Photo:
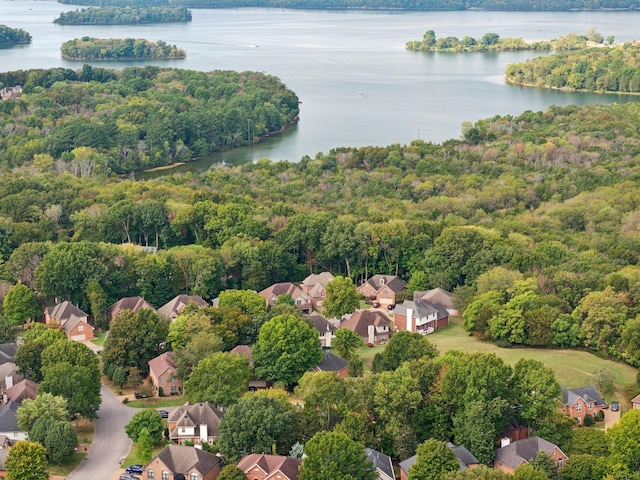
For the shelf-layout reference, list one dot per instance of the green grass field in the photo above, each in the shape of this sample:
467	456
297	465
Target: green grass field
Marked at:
99	340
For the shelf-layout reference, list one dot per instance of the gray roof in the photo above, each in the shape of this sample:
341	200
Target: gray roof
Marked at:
380	461
405	465
128	303
65	311
420	308
321	324
359	322
173	307
331	363
195	415
589	394
8	352
464	456
523	451
437	295
9	417
181	459
394	282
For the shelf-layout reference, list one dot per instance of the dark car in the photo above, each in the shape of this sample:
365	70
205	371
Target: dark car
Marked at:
163	413
391	307
139	395
134	469
615	406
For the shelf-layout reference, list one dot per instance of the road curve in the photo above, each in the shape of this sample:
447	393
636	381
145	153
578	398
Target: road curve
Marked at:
110	443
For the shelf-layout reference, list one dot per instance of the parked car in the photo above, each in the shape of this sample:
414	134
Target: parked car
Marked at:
615	406
139	469
605	405
375	304
163	413
139	395
391	307
126	476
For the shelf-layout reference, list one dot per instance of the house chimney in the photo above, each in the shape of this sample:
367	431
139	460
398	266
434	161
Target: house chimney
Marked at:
204	434
409	319
504	441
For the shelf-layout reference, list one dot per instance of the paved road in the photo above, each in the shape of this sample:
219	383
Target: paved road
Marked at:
110	443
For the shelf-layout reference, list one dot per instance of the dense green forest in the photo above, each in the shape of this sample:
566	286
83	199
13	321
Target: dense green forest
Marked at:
491	42
13	36
533	220
87	48
95	121
124	15
615	69
425	5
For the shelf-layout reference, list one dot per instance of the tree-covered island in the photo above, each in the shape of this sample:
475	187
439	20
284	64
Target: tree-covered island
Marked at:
88	48
411	5
127	15
492	42
13	36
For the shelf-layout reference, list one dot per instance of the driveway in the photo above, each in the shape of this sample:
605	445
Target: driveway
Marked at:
110	444
610	418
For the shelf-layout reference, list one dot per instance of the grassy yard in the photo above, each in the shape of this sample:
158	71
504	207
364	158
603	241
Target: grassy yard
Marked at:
573	368
66	468
84	430
134	458
99	340
157	402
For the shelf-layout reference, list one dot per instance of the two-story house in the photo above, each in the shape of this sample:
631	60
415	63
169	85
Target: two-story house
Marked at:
193	463
511	455
315	286
198	423
301	300
419	317
373	326
173	307
326	330
71	320
382	289
128	303
578	402
260	466
164	374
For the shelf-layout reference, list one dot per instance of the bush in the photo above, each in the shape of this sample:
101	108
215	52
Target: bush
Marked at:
588	420
599	416
125	400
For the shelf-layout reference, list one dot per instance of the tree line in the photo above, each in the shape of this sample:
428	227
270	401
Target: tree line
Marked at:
87	48
613	69
127	15
13	36
99	121
419	5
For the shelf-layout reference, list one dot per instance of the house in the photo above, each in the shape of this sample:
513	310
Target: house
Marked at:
194	463
579	402
128	303
9	376
72	321
333	363
10	92
164	374
9	422
315	286
419	317
173	307
437	295
382	288
372	326
259	466
326	330
382	464
8	352
635	402
21	390
301	299
511	455
255	383
466	459
198	423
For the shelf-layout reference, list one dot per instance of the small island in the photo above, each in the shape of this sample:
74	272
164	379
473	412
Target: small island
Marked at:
88	48
13	36
492	42
124	16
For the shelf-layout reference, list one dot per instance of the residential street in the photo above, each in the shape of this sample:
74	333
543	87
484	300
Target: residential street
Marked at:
110	443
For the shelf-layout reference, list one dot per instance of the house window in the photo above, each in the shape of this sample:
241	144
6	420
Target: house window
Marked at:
183	430
165	475
150	475
81	328
193	476
560	463
174	389
578	407
298	302
589	406
386	292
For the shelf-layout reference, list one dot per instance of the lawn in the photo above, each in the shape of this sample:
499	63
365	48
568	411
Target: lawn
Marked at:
99	340
67	467
157	402
573	368
133	458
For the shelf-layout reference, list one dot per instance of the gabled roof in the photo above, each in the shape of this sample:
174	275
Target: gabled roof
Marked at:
636	399
173	307
9	417
161	364
8	352
330	363
318	279
420	309
244	350
128	303
181	459
278	289
321	324
523	451
21	390
189	415
464	456
381	462
393	282
66	311
9	369
588	394
359	322
270	464
437	295
70	324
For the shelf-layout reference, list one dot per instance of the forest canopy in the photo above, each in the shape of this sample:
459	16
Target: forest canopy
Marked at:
420	5
99	121
87	48
13	36
124	15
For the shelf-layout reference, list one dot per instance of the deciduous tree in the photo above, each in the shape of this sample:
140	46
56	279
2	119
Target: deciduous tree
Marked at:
334	455
434	460
26	461
45	405
20	304
342	297
402	347
219	379
148	419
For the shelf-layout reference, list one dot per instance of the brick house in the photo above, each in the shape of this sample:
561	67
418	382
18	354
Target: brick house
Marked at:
420	317
259	466
128	303
511	455
578	402
382	288
465	458
173	307
194	463
198	423
382	464
437	295
332	363
315	286
301	299
635	402
326	330
164	375
372	326
71	320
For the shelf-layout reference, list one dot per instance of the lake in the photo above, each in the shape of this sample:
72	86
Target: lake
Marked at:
357	83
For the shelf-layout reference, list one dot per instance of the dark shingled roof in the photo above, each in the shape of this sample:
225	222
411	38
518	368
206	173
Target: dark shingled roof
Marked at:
380	461
359	322
290	467
464	456
394	283
321	324
589	394
8	352
9	417
181	459
128	303
522	451
331	363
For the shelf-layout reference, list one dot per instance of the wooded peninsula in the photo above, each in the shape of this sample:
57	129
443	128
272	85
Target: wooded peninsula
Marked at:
87	48
13	36
124	16
417	5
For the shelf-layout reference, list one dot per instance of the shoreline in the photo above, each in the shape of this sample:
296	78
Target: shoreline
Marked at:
568	89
